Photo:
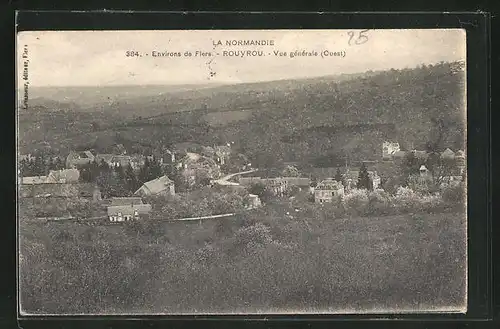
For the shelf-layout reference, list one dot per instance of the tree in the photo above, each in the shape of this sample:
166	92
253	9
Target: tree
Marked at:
155	170
59	164
364	180
409	166
130	179
290	171
39	166
439	168
111	185
89	172
261	190
144	172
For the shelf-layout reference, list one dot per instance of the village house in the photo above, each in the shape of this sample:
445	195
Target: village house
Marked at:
137	161
84	191
300	182
253	201
54	176
55	199
327	190
388	149
26	157
421	156
31	180
278	186
127	208
460	161
161	186
448	155
195	168
398	156
129	212
124	201
102	157
119	149
76	159
451	180
113	161
164	157
120	161
222	154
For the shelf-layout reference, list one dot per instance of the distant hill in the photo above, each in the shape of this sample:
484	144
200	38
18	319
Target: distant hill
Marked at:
91	98
306	120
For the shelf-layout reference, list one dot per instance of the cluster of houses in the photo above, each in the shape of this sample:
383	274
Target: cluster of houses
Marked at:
391	151
190	159
62	185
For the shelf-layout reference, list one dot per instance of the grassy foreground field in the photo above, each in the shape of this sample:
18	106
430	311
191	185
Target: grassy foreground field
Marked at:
251	263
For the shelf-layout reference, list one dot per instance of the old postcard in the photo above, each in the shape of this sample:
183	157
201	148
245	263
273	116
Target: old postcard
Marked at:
242	172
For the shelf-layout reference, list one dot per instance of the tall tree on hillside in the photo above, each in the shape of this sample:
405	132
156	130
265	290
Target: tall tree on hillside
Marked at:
409	166
130	179
50	164
111	185
155	170
59	164
364	181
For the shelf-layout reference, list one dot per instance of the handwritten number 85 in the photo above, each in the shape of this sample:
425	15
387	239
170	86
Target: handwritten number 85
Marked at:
360	39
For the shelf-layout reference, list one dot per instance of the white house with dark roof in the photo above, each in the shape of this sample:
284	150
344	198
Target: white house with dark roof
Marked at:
129	212
327	190
388	149
75	159
160	186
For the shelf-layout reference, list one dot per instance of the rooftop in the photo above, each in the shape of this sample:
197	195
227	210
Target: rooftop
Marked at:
159	184
122	201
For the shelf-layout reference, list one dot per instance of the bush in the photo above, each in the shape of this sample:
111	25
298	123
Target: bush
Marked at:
356	201
454	194
379	203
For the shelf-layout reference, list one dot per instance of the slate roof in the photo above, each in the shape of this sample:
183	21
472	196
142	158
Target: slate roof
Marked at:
420	154
399	154
157	185
329	184
64	176
105	157
448	154
126	201
34	180
297	181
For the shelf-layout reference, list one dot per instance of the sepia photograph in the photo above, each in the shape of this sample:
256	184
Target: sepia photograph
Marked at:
212	172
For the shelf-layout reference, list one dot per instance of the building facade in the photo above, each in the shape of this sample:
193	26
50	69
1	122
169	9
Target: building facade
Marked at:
327	190
388	149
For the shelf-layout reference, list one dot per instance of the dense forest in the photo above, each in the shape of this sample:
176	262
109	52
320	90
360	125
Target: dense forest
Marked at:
317	118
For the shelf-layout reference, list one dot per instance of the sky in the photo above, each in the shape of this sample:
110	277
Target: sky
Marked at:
98	58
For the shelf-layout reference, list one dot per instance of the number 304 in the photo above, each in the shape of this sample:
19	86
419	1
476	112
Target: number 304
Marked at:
132	53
